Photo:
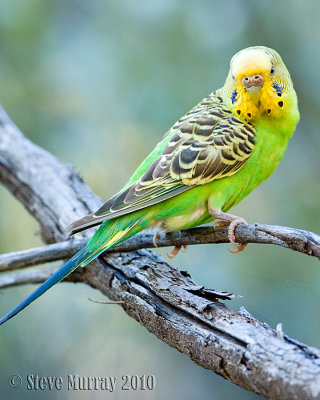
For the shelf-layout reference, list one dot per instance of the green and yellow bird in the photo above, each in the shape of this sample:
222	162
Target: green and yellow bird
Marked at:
205	164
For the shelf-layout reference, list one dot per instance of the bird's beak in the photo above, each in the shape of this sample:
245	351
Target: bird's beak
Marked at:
254	81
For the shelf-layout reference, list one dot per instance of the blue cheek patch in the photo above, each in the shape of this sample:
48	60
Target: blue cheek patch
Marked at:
277	87
234	96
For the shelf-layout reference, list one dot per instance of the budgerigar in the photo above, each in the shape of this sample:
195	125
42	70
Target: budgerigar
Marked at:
206	163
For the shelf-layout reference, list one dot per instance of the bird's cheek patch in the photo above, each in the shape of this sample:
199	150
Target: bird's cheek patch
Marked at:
234	96
270	102
244	107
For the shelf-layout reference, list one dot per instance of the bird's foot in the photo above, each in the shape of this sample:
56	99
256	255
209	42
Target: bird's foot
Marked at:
233	221
176	250
231	235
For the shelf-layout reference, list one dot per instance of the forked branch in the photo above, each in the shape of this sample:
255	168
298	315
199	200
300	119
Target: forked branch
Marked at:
294	239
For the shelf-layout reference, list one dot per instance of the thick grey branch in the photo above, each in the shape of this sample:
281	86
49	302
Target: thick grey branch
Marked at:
166	301
295	239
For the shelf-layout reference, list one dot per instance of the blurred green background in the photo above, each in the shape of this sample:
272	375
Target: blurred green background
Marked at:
92	80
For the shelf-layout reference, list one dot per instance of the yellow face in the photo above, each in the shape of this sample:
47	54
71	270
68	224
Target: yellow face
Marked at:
258	84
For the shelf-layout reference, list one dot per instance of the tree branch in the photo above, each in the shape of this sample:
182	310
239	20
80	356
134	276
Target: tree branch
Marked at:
24	277
166	301
294	239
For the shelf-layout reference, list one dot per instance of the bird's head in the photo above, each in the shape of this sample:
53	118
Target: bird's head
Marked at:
258	84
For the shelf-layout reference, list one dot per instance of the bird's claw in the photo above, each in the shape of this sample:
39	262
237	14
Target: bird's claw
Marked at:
239	246
156	237
223	219
184	248
176	250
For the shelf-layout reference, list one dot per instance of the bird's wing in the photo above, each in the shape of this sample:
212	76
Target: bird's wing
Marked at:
206	144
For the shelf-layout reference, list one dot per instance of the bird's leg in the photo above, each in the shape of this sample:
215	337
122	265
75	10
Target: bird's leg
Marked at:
233	221
176	250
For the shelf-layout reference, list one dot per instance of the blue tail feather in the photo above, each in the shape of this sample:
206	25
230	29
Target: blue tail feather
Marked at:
64	271
108	235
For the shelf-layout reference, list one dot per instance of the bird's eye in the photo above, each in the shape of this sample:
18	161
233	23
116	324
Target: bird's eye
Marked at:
273	70
233	77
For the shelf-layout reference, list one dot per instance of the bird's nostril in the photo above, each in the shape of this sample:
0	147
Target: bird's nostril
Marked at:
254	80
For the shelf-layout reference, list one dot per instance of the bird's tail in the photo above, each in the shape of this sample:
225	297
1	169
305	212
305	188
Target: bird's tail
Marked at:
107	236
